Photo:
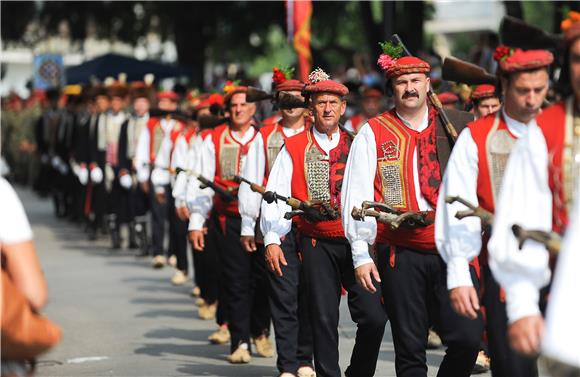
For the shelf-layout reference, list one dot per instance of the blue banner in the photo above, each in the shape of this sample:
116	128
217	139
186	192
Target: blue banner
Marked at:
48	71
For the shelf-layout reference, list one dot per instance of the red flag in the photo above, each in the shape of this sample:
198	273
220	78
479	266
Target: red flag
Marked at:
299	15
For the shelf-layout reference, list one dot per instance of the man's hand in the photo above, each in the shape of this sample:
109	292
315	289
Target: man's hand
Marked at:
145	187
160	197
275	258
248	243
464	301
197	240
365	274
526	334
182	213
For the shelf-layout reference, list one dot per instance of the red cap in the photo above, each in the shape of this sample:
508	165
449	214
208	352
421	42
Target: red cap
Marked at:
571	27
290	85
168	94
483	91
327	86
514	60
447	98
372	93
402	66
320	82
234	90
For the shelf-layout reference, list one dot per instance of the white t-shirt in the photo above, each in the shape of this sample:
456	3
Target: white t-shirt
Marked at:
14	226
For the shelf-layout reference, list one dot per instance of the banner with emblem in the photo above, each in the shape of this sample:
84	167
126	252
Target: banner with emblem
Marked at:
48	71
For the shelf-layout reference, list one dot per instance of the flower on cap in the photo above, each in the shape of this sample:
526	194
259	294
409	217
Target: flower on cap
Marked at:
318	75
216	99
573	17
230	86
502	52
391	52
281	74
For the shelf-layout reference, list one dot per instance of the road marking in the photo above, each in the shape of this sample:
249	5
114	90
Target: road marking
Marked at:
80	360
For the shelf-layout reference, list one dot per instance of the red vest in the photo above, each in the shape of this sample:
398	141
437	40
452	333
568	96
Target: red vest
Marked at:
318	176
228	156
394	180
274	138
357	121
155	137
558	132
494	144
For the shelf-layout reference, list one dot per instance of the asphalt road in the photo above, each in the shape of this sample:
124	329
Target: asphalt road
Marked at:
122	318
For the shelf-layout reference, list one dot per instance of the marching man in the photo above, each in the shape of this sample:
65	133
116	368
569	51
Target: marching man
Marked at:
310	168
287	293
474	173
398	159
539	181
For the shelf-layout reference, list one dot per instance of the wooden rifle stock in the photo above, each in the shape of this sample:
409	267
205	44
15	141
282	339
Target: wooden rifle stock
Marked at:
461	71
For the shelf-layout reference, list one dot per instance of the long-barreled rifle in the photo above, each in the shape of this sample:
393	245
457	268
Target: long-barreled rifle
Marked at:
226	194
551	240
449	128
386	214
312	211
468	73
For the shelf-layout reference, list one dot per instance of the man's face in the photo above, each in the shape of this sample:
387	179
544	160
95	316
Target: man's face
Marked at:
371	106
327	110
102	103
167	104
296	112
240	110
525	93
575	68
141	106
410	91
203	112
487	106
117	104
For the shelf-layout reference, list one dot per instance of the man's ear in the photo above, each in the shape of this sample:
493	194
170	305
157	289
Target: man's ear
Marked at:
342	107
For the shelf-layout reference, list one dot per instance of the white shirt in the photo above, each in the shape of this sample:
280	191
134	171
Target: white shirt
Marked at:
184	156
358	186
255	171
200	200
272	223
562	329
14	226
459	241
142	156
525	200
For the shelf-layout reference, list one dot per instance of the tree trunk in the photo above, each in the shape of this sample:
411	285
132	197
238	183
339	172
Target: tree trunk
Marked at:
514	9
412	33
190	41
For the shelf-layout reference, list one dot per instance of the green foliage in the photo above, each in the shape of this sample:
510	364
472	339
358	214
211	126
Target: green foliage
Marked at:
539	13
395	51
277	51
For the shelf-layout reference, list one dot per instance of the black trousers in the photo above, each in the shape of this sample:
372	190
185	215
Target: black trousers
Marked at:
177	235
98	200
289	307
328	264
242	272
504	361
159	214
415	293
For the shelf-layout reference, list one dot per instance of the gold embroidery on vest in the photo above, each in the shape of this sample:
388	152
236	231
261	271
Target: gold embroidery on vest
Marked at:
390	166
274	144
229	156
499	145
571	157
158	135
317	172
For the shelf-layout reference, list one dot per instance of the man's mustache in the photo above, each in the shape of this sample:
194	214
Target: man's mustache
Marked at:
410	94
